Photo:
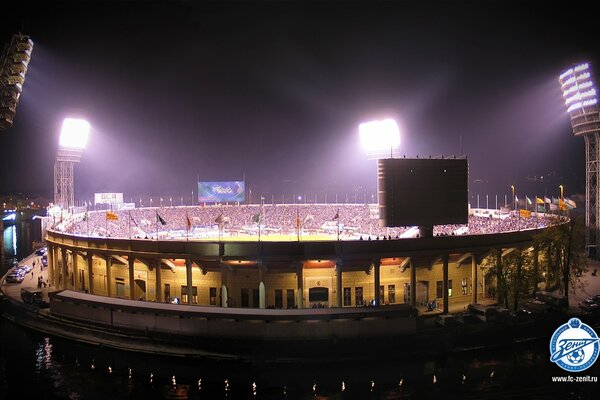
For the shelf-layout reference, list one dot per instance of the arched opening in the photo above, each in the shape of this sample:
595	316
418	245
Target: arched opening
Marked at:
140	289
318	297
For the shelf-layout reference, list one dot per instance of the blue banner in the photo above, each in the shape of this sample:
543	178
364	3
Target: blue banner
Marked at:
219	192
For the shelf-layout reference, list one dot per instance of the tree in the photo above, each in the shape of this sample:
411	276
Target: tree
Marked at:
563	249
496	269
518	265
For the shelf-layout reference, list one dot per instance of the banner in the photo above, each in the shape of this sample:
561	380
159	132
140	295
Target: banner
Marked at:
108	198
220	192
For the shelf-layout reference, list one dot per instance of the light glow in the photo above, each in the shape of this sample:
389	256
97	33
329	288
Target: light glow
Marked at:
379	137
74	133
578	87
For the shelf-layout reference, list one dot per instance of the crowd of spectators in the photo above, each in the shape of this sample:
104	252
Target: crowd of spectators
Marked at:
355	221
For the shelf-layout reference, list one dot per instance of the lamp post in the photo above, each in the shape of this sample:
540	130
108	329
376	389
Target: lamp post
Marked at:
562	188
513	196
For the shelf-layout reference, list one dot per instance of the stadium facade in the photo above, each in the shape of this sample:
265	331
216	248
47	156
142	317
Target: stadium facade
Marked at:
358	271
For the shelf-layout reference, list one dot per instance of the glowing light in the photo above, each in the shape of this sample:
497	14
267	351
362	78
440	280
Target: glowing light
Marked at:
74	133
578	87
379	137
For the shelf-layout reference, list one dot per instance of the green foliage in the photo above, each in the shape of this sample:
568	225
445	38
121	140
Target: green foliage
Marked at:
562	247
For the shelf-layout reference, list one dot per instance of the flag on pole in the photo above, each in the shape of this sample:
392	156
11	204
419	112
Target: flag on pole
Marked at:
528	200
256	218
547	200
525	213
570	203
85	216
219	219
188	222
337	216
160	219
298	222
538	200
112	216
562	205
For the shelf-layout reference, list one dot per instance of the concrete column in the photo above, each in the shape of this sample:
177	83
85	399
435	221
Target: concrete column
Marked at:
50	255
377	279
339	288
474	283
261	287
445	282
413	284
188	277
90	269
130	270
57	270
75	273
224	294
63	280
300	276
158	288
108	259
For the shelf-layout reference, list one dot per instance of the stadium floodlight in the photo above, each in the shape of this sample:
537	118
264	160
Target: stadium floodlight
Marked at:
581	99
72	142
13	68
379	138
74	133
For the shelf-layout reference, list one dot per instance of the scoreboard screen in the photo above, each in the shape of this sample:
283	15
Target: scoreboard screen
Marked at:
422	192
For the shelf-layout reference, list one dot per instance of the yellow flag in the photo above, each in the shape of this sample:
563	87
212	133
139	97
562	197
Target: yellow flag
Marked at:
525	213
562	205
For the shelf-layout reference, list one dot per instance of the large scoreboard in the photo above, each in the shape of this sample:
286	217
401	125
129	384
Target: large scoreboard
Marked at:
221	192
422	192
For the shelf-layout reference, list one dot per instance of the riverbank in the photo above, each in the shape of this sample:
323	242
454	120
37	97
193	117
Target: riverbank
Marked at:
425	339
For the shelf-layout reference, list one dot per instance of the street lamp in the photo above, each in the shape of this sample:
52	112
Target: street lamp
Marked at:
513	196
561	191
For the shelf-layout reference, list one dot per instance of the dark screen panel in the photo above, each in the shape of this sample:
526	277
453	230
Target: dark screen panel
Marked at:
422	192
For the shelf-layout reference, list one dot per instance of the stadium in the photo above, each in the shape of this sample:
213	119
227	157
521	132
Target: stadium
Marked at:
225	275
208	267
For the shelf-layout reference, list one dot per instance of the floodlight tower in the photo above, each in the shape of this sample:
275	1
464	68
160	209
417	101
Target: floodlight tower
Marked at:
13	67
73	138
379	139
581	99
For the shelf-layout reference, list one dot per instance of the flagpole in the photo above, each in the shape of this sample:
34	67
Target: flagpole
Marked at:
87	219
129	224
156	225
338	224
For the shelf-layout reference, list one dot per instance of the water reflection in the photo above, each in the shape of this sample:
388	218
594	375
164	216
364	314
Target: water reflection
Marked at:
53	368
37	366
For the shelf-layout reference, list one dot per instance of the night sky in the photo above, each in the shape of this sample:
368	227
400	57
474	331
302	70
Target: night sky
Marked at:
275	91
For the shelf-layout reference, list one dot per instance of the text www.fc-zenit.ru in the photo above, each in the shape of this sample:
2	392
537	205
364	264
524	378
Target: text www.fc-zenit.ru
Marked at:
571	378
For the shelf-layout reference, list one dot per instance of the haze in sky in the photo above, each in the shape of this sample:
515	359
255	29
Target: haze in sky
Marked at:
274	92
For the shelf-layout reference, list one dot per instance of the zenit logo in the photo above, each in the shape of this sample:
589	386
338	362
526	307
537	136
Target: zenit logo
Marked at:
574	346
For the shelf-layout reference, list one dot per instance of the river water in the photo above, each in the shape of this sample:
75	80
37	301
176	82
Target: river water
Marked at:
33	365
